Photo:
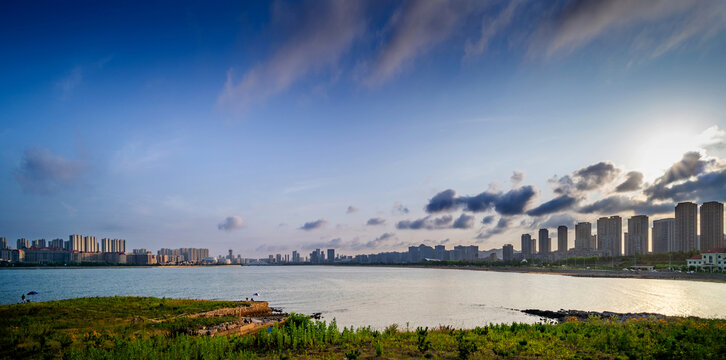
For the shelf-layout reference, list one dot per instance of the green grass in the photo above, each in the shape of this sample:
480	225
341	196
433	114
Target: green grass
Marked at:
300	337
57	326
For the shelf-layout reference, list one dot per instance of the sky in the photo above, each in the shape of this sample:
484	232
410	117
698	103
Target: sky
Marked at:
367	126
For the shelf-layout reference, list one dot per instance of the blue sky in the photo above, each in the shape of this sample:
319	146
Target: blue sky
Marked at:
232	125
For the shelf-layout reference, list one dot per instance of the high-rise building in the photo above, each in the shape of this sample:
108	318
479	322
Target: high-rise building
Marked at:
562	238
440	252
187	254
686	219
526	245
508	252
466	253
331	255
413	254
56	243
711	225
3	243
278	258
544	241
663	236
583	236
90	244
533	246
609	235
119	246
106	245
426	252
295	256
23	244
75	243
637	235
316	257
40	243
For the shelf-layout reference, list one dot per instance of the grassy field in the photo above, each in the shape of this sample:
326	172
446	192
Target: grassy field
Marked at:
56	327
150	328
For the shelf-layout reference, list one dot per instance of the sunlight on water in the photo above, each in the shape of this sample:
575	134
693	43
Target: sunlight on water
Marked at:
378	297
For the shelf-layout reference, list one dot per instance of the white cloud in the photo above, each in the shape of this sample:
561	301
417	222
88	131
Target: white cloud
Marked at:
325	31
653	27
415	28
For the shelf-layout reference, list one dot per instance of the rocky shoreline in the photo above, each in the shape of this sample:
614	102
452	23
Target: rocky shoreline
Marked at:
564	315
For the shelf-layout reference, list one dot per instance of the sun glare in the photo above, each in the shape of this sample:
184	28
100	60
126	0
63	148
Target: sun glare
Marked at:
661	150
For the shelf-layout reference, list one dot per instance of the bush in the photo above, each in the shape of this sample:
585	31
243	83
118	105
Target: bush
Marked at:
391	330
352	354
423	343
464	346
379	348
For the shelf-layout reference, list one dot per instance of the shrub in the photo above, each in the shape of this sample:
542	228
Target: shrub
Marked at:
352	354
391	329
379	348
464	346
423	343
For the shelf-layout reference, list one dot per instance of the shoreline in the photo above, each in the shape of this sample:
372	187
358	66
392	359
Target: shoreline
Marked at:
586	273
111	266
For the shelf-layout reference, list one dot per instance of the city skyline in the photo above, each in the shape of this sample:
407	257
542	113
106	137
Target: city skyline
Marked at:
642	235
262	128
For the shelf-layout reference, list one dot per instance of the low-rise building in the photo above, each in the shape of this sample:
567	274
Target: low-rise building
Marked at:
81	257
114	257
714	260
46	255
141	259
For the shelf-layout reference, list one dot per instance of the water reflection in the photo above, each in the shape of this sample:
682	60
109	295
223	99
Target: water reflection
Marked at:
358	296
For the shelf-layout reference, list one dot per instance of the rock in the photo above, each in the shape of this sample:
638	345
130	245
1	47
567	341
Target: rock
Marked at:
563	315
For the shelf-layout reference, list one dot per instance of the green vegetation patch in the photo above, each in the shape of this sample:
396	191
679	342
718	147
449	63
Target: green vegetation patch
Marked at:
301	337
55	327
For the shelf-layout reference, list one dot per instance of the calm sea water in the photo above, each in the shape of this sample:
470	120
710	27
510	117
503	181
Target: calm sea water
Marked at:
361	296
